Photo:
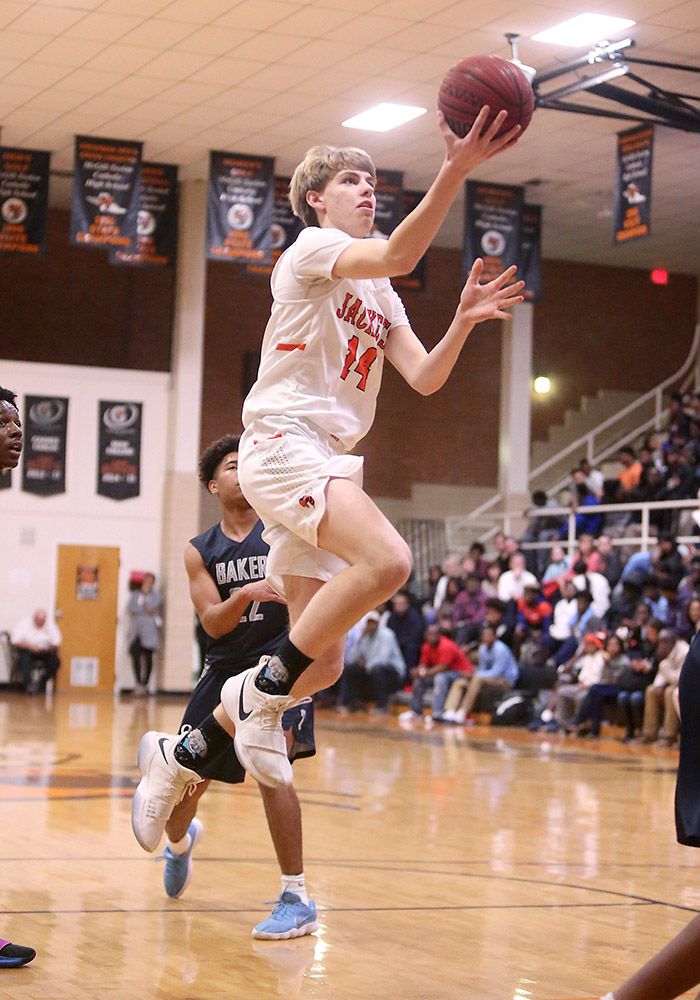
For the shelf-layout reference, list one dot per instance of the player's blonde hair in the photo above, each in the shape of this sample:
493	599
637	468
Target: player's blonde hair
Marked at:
319	166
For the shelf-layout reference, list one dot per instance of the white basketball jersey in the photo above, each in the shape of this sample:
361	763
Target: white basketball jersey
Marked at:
323	349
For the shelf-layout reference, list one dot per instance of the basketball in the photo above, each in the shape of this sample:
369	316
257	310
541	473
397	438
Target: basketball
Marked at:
480	80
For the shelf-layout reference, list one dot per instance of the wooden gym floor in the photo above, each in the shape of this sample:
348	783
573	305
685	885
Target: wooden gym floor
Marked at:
480	865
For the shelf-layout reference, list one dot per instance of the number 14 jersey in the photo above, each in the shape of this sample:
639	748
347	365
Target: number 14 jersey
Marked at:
323	349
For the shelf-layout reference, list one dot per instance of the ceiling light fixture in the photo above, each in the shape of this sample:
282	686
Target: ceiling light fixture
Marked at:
383	117
583	30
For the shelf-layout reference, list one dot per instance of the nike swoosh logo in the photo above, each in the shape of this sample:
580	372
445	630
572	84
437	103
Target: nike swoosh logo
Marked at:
241	710
161	741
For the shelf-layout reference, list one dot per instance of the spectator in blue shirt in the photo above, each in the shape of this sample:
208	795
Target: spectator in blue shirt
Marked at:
497	671
376	668
586	524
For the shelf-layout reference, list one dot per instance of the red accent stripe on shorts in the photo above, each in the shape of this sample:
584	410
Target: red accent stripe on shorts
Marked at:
290	347
272	437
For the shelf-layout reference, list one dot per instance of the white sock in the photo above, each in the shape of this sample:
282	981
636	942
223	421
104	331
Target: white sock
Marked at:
608	996
179	846
295	884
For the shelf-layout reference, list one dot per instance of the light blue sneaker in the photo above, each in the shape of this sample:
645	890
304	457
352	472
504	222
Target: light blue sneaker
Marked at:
289	919
178	867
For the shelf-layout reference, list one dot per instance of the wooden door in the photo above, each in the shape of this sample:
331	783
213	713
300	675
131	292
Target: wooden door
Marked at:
86	612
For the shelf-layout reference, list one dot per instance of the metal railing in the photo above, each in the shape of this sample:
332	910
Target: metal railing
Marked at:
644	539
588	441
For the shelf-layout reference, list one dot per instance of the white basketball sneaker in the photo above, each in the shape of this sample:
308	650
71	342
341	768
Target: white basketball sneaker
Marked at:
259	741
164	783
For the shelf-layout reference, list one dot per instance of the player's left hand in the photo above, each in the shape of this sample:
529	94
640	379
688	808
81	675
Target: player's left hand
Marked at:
491	300
261	591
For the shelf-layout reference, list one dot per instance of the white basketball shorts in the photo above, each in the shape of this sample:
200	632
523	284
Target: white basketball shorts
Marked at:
284	466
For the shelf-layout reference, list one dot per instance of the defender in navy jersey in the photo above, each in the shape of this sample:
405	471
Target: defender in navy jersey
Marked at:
244	619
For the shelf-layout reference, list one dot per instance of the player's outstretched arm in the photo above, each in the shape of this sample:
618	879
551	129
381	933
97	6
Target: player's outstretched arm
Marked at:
427	372
409	241
221	617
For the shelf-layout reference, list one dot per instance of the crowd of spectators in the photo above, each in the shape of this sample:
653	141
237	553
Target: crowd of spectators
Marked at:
598	632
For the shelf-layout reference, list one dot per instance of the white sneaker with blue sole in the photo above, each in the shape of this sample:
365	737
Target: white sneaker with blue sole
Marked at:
178	867
290	918
259	741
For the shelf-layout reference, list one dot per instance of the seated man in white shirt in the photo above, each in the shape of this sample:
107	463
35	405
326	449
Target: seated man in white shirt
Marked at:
36	640
376	666
512	583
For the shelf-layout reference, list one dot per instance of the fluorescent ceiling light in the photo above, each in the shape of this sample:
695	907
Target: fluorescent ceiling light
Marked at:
383	117
583	30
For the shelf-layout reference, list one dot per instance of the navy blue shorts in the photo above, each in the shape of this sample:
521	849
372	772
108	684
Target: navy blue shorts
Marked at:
207	695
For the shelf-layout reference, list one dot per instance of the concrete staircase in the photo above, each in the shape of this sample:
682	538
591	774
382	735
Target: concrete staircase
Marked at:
433	501
593	411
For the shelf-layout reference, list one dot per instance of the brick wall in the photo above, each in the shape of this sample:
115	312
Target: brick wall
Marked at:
596	327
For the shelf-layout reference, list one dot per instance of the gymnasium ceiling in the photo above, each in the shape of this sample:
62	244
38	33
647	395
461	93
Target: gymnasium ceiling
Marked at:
273	77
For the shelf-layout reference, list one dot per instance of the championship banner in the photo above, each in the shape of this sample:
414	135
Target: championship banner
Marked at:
285	227
492	231
105	193
119	450
5	479
416	279
389	211
239	208
156	221
45	428
24	196
633	183
530	267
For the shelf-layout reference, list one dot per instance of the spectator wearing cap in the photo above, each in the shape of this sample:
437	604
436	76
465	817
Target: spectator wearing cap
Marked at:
589	715
441	663
671	653
468	611
497	671
587	668
375	667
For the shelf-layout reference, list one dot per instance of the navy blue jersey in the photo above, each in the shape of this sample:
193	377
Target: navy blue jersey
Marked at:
231	565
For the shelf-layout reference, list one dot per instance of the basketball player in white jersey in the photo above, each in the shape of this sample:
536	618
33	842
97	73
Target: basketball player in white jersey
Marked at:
335	316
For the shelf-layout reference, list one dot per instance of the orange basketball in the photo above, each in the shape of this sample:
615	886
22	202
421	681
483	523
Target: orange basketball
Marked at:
481	80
